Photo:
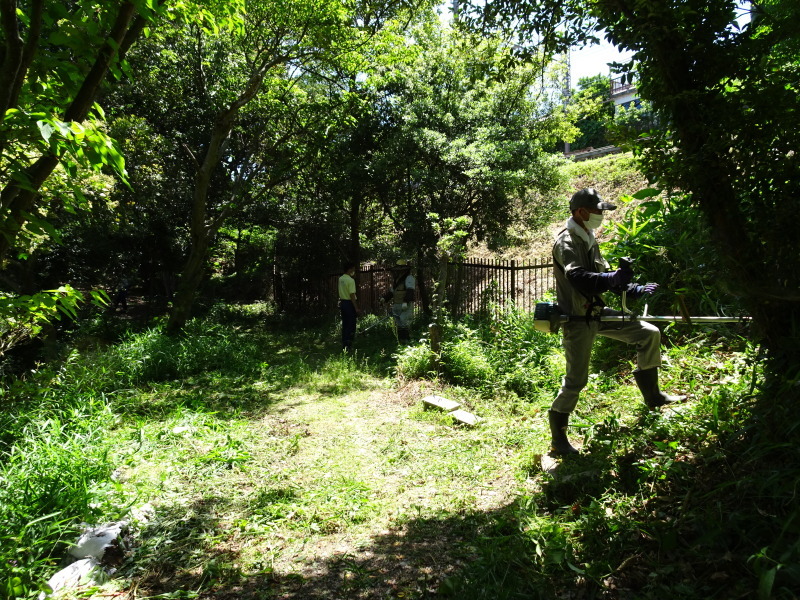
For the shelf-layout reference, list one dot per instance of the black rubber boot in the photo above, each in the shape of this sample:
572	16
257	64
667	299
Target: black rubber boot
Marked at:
647	381
403	335
558	430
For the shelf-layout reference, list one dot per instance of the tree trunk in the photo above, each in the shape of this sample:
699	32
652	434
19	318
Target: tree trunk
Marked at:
355	228
424	296
15	201
200	231
18	53
191	278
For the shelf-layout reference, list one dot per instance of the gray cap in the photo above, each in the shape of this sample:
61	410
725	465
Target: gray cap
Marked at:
589	198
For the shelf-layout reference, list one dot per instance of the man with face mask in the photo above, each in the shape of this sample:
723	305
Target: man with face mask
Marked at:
582	275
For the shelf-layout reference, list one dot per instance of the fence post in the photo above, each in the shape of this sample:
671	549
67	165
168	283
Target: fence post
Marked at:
513	281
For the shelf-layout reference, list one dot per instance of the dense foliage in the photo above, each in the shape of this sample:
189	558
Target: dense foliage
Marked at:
347	123
593	99
203	149
727	98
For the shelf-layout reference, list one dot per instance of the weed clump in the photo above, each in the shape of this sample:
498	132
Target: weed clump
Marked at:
503	353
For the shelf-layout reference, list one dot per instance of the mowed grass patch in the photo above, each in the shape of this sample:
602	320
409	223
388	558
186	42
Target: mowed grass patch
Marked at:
345	481
316	474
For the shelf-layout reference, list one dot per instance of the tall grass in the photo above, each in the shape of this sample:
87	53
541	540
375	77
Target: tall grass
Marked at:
151	356
55	455
501	353
54	473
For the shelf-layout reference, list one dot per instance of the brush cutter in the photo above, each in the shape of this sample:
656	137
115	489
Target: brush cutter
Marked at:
380	321
387	317
548	317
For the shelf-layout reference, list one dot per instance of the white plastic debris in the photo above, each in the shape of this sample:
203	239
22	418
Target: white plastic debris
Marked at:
86	571
94	542
142	515
89	550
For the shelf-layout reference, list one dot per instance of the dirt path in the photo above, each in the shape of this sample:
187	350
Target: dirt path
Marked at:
361	495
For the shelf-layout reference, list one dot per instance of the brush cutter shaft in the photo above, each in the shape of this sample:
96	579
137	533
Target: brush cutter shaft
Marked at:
660	319
548	318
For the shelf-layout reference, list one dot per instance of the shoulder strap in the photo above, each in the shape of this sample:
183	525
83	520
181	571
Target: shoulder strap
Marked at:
591	301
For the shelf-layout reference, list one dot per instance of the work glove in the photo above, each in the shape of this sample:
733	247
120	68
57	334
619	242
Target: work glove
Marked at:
639	290
619	278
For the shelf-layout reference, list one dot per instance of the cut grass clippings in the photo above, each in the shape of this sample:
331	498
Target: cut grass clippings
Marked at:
291	471
362	489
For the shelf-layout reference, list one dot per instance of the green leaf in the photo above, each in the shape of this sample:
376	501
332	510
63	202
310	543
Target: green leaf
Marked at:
63	128
59	38
576	568
766	582
650	209
646	193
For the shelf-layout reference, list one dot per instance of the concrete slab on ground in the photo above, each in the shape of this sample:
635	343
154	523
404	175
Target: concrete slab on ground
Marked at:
465	417
441	403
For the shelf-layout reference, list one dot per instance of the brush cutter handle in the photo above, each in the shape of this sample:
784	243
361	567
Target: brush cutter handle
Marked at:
659	319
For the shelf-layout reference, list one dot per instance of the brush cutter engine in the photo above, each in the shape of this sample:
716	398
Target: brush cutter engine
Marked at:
547	317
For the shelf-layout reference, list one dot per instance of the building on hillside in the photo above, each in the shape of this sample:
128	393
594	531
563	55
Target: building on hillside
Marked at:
624	92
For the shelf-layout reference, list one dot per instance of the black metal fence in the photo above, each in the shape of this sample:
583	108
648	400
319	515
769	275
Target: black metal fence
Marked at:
471	286
294	292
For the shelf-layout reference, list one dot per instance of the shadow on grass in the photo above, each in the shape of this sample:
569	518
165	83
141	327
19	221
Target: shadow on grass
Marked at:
470	556
529	549
602	526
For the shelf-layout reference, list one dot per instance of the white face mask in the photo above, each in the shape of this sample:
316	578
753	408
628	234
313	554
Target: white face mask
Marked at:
594	221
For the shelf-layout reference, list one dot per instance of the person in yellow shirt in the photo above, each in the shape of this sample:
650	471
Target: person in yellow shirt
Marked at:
348	304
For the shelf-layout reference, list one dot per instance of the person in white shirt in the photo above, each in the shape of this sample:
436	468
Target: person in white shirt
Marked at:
403	296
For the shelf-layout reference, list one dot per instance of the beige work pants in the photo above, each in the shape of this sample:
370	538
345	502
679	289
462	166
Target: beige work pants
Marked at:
579	337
